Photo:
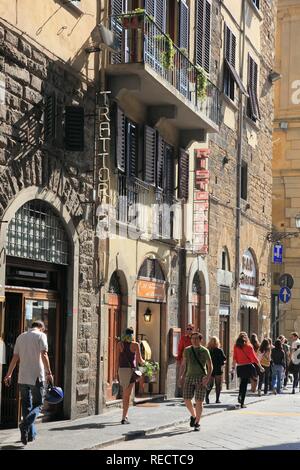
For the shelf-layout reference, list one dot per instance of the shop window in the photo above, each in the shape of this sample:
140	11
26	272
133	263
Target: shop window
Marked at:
37	233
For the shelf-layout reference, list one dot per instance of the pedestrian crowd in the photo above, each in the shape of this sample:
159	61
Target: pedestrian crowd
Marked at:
265	365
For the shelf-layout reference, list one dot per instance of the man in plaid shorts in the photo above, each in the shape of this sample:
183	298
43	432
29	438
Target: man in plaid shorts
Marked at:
195	374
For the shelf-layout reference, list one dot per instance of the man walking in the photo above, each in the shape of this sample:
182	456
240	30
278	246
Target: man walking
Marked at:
195	372
31	353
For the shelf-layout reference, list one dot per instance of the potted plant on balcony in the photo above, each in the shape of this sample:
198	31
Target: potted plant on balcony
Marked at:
202	83
133	19
150	370
168	51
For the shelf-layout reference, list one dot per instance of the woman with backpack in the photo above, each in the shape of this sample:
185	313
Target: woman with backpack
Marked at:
264	355
218	359
278	361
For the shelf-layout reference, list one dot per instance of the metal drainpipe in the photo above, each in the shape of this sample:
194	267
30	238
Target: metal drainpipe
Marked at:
239	165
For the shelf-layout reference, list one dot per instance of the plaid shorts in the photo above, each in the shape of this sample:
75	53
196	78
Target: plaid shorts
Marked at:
193	385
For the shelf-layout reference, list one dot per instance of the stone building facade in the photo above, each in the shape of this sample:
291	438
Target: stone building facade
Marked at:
286	166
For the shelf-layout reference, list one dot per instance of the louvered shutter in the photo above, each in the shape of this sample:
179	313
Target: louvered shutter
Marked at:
74	128
253	106
50	118
158	11
183	175
160	161
132	148
203	34
120	140
169	182
184	30
149	155
118	7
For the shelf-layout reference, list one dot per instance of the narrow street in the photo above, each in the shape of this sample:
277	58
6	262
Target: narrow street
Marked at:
270	425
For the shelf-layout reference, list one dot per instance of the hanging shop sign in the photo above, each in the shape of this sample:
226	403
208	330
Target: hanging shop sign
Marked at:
150	290
248	275
201	202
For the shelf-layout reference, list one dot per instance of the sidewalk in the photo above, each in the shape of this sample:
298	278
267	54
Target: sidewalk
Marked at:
103	430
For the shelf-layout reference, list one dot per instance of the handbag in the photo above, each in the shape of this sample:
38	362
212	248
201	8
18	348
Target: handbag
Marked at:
115	388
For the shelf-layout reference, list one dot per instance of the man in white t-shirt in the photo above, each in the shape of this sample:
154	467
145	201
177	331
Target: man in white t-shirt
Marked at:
31	352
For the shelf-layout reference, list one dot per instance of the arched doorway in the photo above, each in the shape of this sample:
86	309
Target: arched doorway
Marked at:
114	329
37	259
151	315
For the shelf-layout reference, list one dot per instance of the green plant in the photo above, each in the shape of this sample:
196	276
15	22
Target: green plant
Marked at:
184	51
167	55
201	83
150	368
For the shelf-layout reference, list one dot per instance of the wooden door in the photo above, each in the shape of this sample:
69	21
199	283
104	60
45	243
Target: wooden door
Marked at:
114	331
196	312
10	405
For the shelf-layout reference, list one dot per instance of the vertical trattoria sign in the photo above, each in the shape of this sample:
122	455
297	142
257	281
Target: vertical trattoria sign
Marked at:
103	148
201	202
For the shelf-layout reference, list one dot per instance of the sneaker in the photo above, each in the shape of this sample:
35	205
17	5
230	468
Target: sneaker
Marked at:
192	421
24	434
125	421
197	427
243	406
259	393
293	391
218	401
274	391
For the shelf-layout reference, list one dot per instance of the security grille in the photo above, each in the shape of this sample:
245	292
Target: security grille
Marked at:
37	233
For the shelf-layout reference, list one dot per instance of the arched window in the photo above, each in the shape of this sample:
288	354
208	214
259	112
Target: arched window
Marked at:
151	269
36	232
225	266
114	284
196	286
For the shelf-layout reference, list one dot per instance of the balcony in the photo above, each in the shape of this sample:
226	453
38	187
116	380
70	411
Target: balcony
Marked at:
151	67
146	210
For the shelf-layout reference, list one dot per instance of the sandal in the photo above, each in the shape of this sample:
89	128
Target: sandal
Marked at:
125	421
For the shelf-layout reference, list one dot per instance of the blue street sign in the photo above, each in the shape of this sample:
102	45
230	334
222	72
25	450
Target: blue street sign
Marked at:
277	254
285	295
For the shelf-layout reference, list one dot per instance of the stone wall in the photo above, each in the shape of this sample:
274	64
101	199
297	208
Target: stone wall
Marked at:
26	160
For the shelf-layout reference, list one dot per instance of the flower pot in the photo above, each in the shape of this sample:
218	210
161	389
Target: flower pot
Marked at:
153	378
126	22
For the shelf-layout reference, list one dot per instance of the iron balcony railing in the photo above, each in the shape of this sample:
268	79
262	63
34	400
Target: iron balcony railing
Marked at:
132	196
140	40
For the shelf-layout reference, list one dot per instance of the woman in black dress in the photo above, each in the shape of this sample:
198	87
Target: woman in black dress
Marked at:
218	359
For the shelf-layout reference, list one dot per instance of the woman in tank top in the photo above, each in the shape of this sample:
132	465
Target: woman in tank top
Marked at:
128	353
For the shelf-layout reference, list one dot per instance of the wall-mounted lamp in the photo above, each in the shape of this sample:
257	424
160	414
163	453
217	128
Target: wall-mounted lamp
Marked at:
262	283
242	276
275	237
147	315
274	76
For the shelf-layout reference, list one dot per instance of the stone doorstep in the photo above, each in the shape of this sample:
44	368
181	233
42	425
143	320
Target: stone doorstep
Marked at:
153	398
131	435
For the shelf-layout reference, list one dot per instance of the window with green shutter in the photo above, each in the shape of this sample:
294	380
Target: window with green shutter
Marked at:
74	128
203	34
230	55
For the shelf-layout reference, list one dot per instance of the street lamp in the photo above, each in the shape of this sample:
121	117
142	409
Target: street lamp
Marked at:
277	236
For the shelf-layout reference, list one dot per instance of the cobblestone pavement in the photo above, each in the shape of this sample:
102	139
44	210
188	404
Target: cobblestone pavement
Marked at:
270	425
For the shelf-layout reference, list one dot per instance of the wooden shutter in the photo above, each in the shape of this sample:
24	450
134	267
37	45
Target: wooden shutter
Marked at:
158	10
203	34
74	128
50	113
118	7
184	30
149	155
183	175
169	183
132	148
253	106
120	140
160	162
244	181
